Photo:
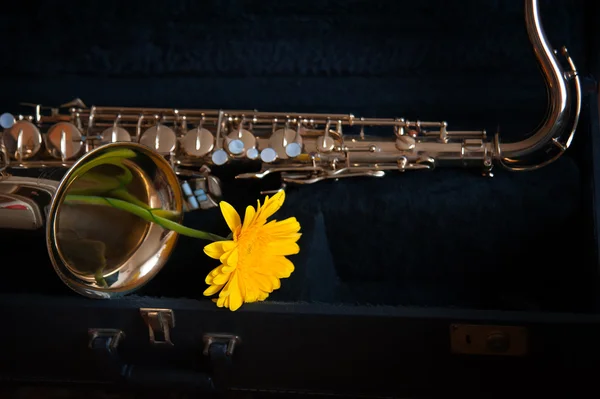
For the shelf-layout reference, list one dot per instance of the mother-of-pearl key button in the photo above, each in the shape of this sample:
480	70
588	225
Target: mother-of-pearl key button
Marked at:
198	142
64	141
252	153
220	157
23	140
161	138
7	120
240	141
115	134
293	150
280	140
268	155
236	146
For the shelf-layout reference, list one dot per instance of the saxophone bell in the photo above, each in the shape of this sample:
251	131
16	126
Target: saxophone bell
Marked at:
98	250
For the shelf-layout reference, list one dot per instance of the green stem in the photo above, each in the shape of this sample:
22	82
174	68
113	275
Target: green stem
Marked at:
100	280
113	157
145	214
125	195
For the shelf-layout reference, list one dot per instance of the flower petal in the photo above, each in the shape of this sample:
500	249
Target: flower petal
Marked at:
263	282
228	269
280	267
221	300
249	217
263	295
235	296
213	289
275	282
282	248
289	226
251	293
213	273
215	249
271	206
221	278
230	258
232	218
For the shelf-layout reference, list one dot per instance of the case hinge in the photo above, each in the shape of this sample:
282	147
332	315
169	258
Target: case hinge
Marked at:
474	339
159	322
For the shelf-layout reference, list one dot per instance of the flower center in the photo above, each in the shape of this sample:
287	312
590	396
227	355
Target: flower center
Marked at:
249	248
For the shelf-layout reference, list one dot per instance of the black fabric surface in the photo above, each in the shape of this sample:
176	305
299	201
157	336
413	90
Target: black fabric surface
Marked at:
445	238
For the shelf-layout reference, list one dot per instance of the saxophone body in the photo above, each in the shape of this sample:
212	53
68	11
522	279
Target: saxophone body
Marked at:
181	148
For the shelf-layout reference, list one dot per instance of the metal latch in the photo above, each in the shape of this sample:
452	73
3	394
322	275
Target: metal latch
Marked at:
105	338
474	339
229	339
159	322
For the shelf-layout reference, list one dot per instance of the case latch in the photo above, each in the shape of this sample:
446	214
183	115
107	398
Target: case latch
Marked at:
105	339
104	343
159	322
228	339
474	339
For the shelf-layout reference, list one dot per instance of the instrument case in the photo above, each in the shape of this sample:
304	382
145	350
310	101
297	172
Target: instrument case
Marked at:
417	284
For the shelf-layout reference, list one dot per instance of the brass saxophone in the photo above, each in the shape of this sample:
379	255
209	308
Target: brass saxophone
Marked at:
177	148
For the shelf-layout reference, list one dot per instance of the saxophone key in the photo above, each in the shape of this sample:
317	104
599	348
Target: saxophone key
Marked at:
268	155
294	148
207	191
236	146
185	187
7	120
281	139
220	157
325	143
114	134
198	142
23	140
64	141
200	194
252	153
212	184
405	143
240	141
160	138
192	203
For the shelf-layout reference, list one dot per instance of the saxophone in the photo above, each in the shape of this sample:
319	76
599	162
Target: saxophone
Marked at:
177	149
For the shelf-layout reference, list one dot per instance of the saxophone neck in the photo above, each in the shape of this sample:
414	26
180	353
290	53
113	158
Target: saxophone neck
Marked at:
556	132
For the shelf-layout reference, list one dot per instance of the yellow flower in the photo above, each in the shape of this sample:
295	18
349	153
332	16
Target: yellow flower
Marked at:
255	260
